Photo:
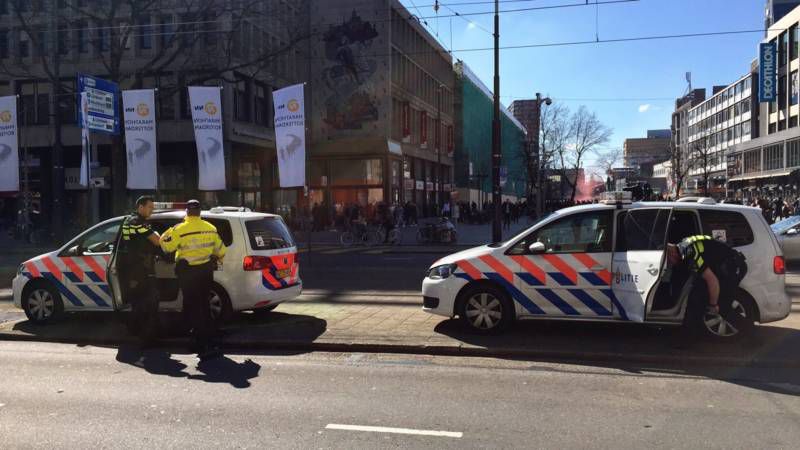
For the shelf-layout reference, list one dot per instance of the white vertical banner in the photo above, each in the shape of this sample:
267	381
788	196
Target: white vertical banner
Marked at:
9	145
85	146
139	108
290	135
207	118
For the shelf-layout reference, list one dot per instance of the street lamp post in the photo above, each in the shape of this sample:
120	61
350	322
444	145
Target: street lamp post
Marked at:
439	190
536	147
497	231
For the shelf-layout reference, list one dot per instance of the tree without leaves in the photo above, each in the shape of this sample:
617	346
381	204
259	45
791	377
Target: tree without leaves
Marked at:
702	159
552	136
584	134
680	164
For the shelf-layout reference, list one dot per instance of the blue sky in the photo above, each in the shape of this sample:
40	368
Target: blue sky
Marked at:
651	73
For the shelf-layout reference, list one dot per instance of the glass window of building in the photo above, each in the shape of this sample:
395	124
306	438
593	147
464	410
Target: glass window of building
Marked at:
773	157
793	153
783	46
793	42
752	161
794	87
782	92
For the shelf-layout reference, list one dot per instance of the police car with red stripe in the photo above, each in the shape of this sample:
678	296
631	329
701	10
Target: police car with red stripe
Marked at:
606	262
260	269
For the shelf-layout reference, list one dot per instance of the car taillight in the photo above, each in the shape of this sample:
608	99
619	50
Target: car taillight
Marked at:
779	265
256	263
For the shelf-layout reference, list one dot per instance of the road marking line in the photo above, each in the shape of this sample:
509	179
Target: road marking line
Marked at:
452	434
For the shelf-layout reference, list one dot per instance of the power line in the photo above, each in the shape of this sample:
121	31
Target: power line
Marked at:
471	22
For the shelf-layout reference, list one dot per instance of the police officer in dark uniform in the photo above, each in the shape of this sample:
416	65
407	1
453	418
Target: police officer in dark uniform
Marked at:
138	247
721	267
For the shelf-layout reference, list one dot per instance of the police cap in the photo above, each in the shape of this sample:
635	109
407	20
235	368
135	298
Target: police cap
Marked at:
193	204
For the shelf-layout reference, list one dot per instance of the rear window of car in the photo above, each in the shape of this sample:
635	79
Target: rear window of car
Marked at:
730	227
269	233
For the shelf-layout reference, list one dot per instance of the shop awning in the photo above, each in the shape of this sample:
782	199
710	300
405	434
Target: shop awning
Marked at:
761	175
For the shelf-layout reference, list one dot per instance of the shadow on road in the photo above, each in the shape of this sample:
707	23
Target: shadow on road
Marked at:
767	361
218	370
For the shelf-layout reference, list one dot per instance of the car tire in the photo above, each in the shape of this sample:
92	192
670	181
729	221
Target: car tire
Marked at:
486	309
42	303
220	305
718	328
346	238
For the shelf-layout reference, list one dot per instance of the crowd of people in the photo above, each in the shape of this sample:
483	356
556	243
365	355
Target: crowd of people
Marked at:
777	208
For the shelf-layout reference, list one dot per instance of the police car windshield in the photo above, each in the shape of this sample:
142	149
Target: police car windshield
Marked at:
269	233
518	235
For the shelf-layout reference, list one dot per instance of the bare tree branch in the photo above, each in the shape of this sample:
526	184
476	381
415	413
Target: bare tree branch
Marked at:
584	134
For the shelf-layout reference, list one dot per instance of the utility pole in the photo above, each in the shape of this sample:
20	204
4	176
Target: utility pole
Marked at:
497	231
439	194
57	211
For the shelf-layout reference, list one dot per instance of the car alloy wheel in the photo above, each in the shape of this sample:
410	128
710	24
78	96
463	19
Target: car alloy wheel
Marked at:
41	304
719	326
484	311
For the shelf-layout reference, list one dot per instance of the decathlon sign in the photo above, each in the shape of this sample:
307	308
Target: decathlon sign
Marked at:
767	73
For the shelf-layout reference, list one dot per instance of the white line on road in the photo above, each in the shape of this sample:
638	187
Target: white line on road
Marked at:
336	426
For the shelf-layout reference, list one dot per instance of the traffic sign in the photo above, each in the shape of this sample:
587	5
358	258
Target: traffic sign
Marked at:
103	104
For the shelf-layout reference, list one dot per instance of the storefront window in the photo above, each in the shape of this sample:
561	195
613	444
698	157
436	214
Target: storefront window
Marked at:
752	161
356	172
171	177
773	157
793	153
316	173
249	175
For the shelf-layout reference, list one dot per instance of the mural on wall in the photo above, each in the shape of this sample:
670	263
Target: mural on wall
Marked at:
350	67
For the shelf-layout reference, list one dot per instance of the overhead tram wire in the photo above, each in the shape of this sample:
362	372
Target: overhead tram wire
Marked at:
411	16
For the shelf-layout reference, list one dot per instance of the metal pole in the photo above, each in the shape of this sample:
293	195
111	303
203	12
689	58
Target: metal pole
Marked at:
497	232
439	195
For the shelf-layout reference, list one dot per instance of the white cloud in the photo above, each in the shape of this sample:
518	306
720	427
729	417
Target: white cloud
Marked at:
644	108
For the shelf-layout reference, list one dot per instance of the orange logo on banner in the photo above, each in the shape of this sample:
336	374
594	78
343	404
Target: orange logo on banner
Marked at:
211	108
293	105
5	116
143	110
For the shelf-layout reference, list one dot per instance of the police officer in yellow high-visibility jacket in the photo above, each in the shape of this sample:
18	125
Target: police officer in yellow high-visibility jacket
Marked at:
198	248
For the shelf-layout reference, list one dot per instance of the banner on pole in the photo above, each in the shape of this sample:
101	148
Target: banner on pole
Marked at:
768	72
207	118
290	135
140	138
9	145
85	148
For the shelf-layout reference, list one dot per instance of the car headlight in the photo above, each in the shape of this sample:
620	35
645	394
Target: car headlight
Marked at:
441	272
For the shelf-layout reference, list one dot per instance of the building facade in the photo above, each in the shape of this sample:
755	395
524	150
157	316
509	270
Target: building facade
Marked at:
643	151
768	165
382	110
474	111
725	119
168	47
680	129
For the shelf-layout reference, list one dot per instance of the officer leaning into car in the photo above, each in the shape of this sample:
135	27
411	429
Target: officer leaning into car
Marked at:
138	247
198	249
720	266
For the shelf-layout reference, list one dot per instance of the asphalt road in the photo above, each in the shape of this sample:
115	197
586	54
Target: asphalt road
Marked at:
63	396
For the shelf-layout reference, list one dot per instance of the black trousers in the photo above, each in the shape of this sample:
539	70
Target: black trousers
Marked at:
195	283
142	293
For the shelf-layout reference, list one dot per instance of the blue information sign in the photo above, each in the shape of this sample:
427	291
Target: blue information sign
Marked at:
103	101
767	73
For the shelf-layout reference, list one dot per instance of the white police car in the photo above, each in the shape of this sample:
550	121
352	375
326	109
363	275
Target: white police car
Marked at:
259	271
606	262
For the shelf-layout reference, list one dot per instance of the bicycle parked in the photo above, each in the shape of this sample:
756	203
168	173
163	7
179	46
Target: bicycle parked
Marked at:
442	232
395	235
361	234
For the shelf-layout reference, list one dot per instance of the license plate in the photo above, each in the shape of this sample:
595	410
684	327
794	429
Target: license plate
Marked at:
283	273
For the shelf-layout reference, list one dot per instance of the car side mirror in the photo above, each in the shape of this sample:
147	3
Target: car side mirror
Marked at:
537	248
792	232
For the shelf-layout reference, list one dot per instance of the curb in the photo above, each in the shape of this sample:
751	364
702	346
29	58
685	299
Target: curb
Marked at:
442	350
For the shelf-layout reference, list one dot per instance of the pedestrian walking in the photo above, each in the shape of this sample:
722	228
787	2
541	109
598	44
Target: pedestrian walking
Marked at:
506	215
198	250
138	247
